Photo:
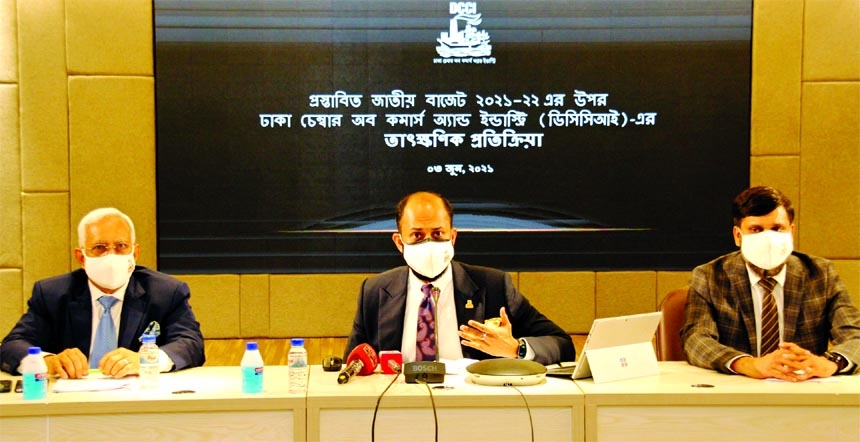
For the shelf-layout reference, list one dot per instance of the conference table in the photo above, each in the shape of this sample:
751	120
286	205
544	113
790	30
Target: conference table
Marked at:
549	411
680	403
686	403
204	403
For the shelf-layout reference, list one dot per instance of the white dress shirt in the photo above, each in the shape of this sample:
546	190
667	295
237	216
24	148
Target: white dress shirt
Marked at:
165	364
447	340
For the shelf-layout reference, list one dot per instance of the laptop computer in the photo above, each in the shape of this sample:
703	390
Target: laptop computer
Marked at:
561	370
619	348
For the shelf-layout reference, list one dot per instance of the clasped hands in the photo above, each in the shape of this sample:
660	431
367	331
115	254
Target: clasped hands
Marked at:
72	364
489	338
789	362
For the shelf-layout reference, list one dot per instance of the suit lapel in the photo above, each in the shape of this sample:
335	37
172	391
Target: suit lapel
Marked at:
133	314
468	297
792	297
80	313
392	308
737	271
470	301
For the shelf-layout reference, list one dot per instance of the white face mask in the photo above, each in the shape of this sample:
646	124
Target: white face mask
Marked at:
767	249
429	258
110	271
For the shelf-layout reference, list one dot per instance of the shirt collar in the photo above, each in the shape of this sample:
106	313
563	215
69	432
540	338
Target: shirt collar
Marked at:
441	282
96	293
779	277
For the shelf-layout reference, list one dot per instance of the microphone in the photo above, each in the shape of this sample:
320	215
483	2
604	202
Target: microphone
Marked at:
391	361
361	361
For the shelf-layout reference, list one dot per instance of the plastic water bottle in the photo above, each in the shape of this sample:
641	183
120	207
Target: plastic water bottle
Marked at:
297	366
35	373
149	367
252	369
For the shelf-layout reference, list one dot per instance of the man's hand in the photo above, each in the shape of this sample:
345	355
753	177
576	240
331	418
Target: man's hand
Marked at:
789	362
68	364
492	340
805	364
119	363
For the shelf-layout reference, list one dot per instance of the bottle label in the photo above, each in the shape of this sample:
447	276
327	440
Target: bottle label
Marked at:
297	359
252	379
149	367
35	386
298	362
148	357
298	373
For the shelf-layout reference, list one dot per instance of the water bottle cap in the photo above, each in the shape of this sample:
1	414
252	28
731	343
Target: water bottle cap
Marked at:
297	342
34	350
251	346
148	339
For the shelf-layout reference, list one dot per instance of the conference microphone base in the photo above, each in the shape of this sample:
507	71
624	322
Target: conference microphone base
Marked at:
426	371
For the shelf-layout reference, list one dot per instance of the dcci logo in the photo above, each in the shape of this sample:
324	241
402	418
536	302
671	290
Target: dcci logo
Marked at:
463	8
464	41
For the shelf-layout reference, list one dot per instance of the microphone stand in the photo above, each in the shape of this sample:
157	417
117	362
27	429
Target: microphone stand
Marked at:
430	372
434	292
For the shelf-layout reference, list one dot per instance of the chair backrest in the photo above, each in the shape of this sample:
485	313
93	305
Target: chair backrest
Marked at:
669	331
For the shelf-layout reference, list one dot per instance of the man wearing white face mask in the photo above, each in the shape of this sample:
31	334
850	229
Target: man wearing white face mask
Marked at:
94	317
390	305
767	311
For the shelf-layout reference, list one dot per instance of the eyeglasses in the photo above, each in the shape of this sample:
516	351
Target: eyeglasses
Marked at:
119	248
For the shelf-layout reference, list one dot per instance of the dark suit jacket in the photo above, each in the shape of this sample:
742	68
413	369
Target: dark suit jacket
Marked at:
60	317
382	306
719	320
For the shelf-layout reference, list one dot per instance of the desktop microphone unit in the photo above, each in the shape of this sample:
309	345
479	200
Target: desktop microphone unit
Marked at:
506	372
430	372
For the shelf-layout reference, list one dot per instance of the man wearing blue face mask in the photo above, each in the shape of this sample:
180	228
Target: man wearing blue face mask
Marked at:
435	304
768	311
92	318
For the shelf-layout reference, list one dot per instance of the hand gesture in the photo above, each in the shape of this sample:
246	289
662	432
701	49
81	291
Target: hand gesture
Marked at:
496	340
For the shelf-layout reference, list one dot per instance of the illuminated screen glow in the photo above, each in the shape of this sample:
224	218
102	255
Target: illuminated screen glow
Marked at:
568	135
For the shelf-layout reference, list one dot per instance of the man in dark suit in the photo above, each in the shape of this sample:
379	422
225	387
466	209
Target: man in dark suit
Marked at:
466	296
725	324
65	311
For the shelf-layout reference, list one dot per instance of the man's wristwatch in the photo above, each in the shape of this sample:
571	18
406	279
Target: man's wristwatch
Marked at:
836	358
522	350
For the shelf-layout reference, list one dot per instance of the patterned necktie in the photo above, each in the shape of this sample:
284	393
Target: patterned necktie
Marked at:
105	340
425	349
769	317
